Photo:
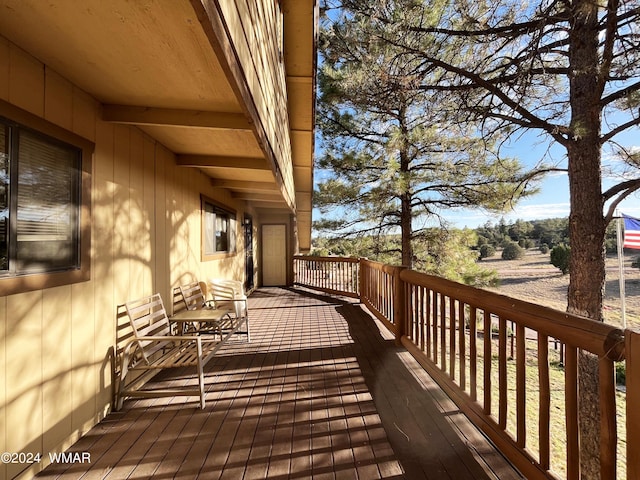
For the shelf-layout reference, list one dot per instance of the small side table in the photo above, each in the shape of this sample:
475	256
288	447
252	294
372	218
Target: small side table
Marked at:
201	320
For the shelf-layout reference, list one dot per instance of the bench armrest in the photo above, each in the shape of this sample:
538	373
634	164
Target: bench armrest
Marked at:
168	338
127	351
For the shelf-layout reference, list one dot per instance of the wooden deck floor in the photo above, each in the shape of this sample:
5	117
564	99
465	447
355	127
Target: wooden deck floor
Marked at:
320	392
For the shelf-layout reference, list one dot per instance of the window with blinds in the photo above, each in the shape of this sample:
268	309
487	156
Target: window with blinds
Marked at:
39	201
219	226
4	198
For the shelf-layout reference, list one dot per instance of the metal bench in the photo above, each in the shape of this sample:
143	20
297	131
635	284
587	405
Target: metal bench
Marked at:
153	347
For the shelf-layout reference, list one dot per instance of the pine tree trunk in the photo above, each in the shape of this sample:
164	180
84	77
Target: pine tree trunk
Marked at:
406	214
586	221
405	226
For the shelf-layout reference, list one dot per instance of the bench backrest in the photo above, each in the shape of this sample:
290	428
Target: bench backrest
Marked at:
229	293
192	296
148	318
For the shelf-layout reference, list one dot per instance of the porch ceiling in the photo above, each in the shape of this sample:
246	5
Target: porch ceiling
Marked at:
151	63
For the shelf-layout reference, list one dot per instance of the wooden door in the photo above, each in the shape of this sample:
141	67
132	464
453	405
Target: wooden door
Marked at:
274	255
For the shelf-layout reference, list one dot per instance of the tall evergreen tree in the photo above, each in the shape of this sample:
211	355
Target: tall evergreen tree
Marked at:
394	162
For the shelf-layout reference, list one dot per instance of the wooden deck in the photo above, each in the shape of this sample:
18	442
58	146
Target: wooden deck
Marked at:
320	392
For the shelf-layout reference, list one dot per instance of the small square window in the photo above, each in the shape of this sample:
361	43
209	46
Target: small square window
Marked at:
218	226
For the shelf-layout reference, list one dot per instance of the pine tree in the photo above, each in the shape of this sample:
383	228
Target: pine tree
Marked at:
395	162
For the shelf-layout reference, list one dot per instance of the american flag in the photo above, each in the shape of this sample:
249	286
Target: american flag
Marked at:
631	232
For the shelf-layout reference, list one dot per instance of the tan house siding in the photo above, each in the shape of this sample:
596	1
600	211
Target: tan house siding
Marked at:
56	345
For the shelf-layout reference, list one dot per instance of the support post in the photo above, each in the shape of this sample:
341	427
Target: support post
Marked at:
361	278
632	374
399	305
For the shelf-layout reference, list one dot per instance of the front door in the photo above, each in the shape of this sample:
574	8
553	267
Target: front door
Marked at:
248	249
274	255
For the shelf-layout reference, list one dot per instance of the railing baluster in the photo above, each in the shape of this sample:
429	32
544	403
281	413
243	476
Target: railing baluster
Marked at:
632	350
544	417
443	333
473	353
521	394
486	362
462	345
421	302
571	411
434	325
428	320
452	338
502	373
608	427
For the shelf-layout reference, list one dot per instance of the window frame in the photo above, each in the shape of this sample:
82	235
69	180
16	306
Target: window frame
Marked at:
13	283
232	227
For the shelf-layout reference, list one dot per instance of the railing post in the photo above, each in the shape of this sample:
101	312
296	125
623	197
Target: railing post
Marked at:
632	374
361	281
399	305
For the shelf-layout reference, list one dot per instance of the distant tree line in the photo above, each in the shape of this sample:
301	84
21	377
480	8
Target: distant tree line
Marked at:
453	253
544	234
448	253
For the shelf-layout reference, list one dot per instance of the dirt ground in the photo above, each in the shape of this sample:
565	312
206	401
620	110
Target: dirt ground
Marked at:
535	280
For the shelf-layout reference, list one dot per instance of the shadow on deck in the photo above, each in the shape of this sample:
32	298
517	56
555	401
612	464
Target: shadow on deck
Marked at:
320	392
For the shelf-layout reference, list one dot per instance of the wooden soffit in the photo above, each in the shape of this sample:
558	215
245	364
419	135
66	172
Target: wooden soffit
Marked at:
199	76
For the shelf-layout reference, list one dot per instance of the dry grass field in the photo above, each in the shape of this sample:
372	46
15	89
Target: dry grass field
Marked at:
535	280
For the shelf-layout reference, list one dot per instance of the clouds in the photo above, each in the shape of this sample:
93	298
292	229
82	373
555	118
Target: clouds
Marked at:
534	211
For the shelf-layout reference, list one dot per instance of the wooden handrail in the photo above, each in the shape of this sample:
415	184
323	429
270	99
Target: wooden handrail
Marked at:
596	337
327	259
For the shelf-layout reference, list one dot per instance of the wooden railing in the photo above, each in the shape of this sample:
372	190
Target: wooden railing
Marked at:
339	275
498	359
380	291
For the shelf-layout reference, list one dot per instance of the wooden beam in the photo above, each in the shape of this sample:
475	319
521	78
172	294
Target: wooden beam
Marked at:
258	197
174	117
215	161
245	186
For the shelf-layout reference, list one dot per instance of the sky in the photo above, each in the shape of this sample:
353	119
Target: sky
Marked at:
552	201
553	198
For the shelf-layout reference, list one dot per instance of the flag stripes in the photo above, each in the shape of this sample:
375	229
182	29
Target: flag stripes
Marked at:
631	232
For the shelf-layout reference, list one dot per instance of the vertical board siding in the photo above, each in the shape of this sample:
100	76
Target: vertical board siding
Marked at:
23	377
57	345
57	365
26	81
59	100
103	227
4	68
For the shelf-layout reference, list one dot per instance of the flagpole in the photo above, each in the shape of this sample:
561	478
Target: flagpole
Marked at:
621	271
